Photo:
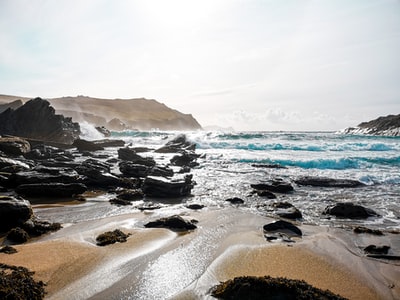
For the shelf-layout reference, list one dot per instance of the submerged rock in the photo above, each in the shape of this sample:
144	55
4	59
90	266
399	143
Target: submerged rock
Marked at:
349	210
257	288
328	182
112	237
174	223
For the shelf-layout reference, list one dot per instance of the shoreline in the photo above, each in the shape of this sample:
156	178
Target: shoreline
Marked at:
227	243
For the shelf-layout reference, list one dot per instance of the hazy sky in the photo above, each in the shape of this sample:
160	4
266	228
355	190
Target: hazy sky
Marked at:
251	65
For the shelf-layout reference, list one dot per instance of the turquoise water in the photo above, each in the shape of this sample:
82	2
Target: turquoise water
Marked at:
229	165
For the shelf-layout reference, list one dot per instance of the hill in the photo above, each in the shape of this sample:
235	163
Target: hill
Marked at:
116	114
386	126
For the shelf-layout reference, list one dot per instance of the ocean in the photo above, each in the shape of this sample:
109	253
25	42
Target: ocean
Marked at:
230	162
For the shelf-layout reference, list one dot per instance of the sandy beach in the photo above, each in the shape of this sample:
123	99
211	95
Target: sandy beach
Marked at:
161	264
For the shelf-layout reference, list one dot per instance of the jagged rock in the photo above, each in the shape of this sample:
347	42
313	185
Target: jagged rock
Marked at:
17	235
51	189
13	212
235	200
174	223
164	188
131	169
283	227
104	131
328	182
84	145
185	159
387	126
112	237
14	145
254	288
44	175
45	152
177	144
8	164
274	186
349	210
130	155
36	119
286	210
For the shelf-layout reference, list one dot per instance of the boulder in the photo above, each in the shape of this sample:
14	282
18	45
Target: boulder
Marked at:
13	164
328	182
185	159
51	189
17	235
264	193
164	188
112	237
286	210
130	155
8	250
131	169
274	186
84	145
130	194
373	249
36	119
235	200
44	175
104	131
349	210
45	152
174	223
13	212
283	227
195	206
177	144
361	229
14	146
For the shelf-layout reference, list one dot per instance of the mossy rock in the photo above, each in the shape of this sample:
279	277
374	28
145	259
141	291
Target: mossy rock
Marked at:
257	288
16	283
112	237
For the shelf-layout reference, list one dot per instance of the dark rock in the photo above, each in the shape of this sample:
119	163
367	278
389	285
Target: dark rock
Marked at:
328	182
130	155
84	145
18	283
164	188
287	210
109	143
8	164
269	166
141	149
387	126
117	201
8	250
51	189
267	194
372	249
177	144
112	237
283	227
44	175
13	212
349	210
14	146
257	288
17	235
148	206
130	169
195	206
174	223
36	119
184	169
35	227
360	229
185	159
235	200
45	152
274	186
130	194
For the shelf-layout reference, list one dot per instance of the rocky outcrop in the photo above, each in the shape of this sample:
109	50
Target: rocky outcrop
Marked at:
51	189
14	146
36	119
386	126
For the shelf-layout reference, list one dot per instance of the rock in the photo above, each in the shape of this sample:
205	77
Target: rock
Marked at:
13	212
14	146
6	164
104	131
149	206
164	188
328	182
8	250
44	175
186	159
287	210
349	210
235	200
177	144
283	227
36	119
45	152
51	189
131	169
110	143
269	166
360	229
117	201
130	194
35	227
84	145
386	126
112	237
195	206
266	287
372	249
174	223
18	283
17	236
274	186
264	193
130	155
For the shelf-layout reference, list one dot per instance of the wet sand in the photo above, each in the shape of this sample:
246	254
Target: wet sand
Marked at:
158	263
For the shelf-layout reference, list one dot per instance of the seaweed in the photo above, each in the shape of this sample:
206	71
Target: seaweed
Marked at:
254	288
16	283
111	237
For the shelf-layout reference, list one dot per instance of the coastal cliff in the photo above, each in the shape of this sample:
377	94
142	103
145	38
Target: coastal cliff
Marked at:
117	114
385	126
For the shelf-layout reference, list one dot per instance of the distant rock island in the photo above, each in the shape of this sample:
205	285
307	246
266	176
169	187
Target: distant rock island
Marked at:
385	126
114	114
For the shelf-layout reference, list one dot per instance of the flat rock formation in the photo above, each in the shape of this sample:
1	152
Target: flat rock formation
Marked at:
116	114
386	126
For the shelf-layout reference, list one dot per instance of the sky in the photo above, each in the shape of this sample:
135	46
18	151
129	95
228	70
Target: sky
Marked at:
248	65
